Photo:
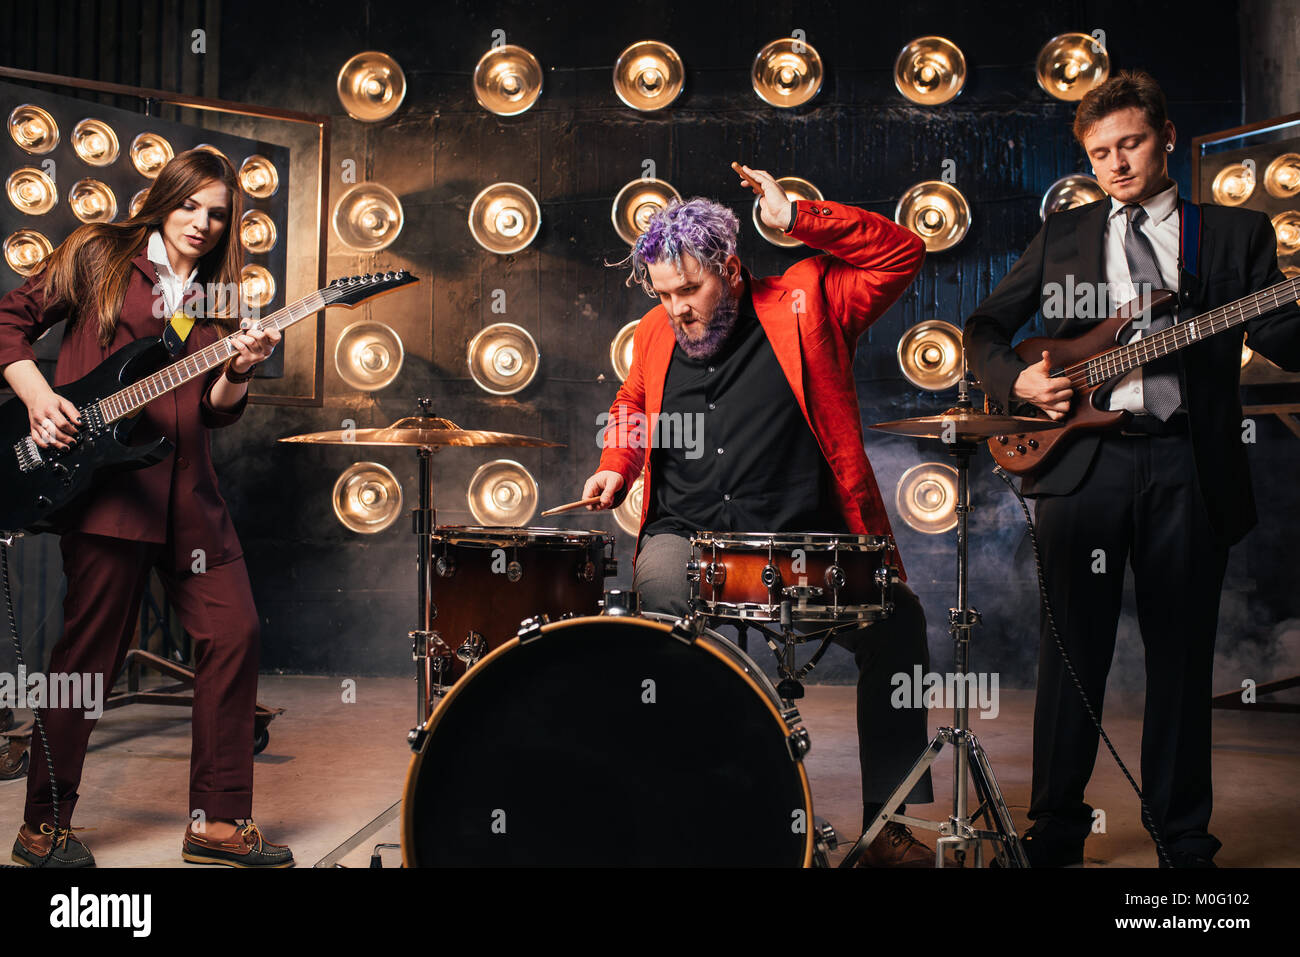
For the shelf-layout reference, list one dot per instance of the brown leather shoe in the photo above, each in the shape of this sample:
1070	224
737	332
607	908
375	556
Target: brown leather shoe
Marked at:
50	848
246	849
895	846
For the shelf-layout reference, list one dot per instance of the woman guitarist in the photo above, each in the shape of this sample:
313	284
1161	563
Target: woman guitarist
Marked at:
116	283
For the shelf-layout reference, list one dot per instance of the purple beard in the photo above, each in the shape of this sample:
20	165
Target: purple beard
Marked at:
716	331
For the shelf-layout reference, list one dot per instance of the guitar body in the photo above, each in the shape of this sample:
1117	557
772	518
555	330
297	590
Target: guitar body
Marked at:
1029	452
37	482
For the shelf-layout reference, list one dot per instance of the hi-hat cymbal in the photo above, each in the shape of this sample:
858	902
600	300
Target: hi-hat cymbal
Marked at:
965	425
422	431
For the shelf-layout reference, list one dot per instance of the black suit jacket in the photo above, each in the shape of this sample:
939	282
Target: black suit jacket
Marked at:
1237	257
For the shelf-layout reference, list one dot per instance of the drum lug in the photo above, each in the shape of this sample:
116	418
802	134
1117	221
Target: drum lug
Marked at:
799	743
771	576
687	629
790	716
445	566
471	649
531	628
423	644
715	573
587	571
886	575
415	738
692	571
835	578
514	572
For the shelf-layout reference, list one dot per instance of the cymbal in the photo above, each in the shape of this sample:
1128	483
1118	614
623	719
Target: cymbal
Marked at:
422	431
965	425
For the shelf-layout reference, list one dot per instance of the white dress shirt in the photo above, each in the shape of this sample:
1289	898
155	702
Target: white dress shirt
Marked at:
1162	228
173	287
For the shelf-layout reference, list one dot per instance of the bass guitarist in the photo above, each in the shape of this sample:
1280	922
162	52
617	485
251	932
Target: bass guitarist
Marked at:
115	283
1170	493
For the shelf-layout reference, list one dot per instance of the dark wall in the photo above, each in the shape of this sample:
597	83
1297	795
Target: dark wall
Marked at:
334	601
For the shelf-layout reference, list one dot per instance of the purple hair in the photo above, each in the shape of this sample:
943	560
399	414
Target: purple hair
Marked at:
699	226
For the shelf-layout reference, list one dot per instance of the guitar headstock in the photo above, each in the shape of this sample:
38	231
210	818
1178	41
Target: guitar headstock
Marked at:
352	290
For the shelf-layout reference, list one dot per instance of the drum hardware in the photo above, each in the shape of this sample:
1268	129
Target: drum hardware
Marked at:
771	575
530	629
970	762
472	648
620	602
514	571
445	566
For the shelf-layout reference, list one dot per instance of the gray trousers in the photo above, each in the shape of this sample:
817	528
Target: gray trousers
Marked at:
889	739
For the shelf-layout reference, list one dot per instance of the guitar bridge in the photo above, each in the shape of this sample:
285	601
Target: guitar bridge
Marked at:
28	454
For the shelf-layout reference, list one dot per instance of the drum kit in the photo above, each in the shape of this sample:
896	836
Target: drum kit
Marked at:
549	708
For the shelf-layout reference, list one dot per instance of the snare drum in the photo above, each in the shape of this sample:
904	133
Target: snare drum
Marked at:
610	741
825	577
487	580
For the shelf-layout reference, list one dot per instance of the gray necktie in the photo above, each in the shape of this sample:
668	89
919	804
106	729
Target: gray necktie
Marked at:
1160	392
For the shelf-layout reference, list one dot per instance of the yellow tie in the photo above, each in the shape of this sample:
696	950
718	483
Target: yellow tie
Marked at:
182	324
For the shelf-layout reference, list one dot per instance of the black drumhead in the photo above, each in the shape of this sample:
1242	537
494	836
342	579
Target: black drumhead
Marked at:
606	741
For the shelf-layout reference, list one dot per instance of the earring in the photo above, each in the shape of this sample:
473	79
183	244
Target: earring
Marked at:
1169	147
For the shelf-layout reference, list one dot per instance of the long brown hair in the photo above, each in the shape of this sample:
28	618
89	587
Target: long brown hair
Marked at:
91	268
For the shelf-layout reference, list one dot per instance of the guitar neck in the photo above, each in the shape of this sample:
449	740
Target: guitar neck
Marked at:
138	394
1122	359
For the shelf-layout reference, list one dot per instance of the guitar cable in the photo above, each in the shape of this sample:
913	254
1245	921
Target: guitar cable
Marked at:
5	544
1147	820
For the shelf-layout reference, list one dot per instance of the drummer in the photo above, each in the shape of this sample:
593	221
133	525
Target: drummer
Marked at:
765	365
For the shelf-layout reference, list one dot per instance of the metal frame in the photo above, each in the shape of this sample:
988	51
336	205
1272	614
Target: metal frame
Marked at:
320	121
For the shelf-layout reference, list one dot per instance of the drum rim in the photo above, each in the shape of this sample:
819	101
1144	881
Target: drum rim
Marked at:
417	759
511	535
756	611
846	541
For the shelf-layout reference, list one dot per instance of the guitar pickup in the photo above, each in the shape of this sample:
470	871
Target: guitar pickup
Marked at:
28	454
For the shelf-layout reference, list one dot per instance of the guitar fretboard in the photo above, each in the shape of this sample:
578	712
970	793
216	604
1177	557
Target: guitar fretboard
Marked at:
1125	358
136	395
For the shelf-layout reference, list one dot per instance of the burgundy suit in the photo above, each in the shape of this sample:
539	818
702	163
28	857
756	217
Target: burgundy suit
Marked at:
813	315
158	517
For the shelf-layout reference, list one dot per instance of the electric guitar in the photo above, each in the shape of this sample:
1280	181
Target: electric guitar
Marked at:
35	483
1102	355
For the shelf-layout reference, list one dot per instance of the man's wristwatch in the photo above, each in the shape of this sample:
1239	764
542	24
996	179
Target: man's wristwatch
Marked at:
238	378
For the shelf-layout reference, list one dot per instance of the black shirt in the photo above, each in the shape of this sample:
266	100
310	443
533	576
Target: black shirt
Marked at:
733	452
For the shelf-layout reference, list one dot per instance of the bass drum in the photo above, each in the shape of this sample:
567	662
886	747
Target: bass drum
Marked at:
610	741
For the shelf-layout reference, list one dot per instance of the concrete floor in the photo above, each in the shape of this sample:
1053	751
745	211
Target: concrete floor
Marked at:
333	766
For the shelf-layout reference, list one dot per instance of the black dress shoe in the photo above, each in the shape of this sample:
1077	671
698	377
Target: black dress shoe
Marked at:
1046	850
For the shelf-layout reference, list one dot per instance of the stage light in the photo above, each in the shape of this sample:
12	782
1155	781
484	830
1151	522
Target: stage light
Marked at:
507	80
368	217
95	142
1234	184
648	75
137	201
1282	177
1071	64
92	201
504	218
926	498
31	191
258	177
930	71
502	358
149	154
371	86
787	73
929	354
25	250
628	512
257	232
368	355
620	349
795	189
33	129
256	286
636	203
367	498
502	492
1287	227
1077	189
935	211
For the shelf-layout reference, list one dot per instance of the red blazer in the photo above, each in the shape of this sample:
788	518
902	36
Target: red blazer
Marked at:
176	501
813	315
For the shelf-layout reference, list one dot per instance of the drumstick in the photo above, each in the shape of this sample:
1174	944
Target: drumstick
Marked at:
571	506
746	181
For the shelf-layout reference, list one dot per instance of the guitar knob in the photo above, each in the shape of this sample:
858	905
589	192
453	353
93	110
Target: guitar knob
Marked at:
43	501
1033	443
1002	439
1020	449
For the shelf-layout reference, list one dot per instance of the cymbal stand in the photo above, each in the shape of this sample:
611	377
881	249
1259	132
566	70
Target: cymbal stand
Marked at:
970	763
